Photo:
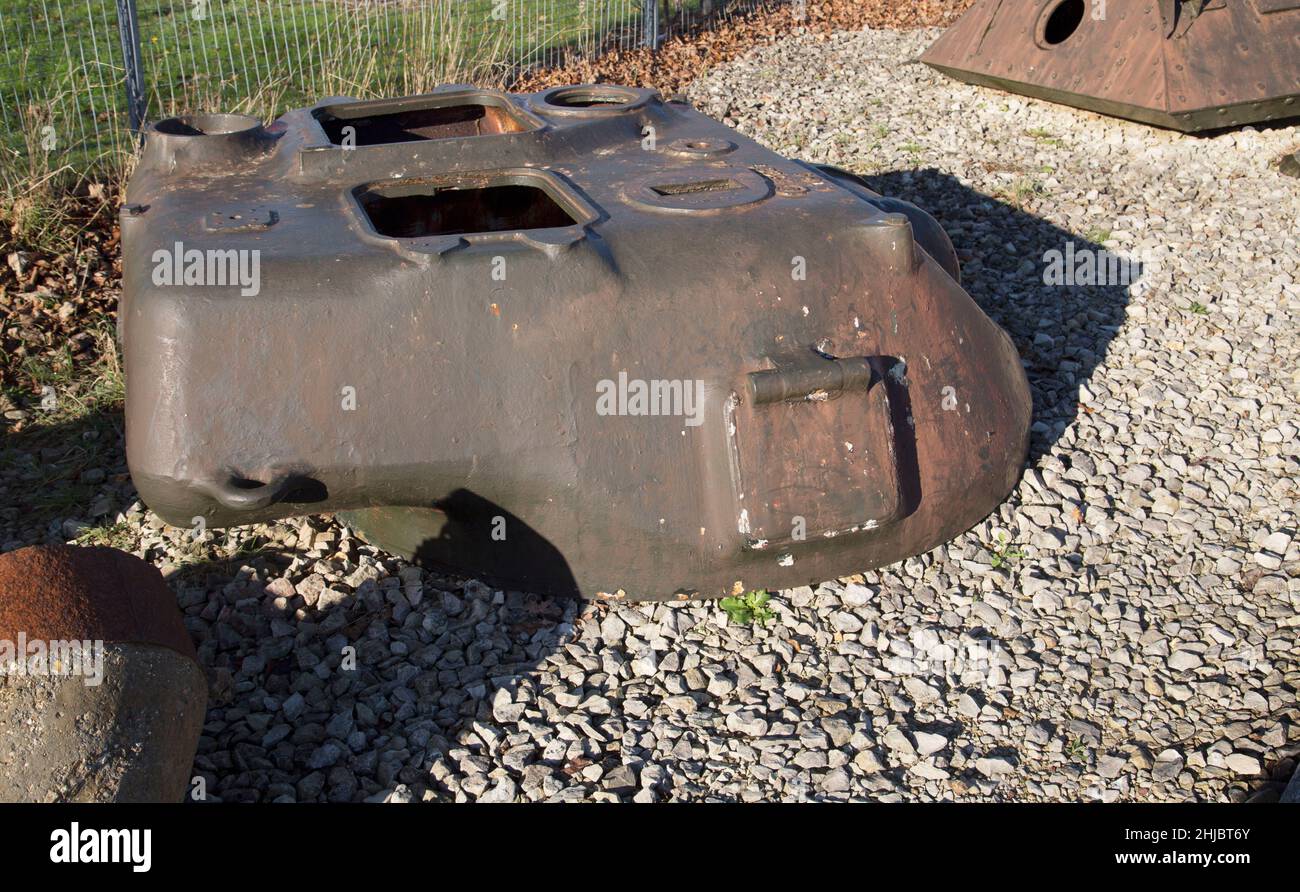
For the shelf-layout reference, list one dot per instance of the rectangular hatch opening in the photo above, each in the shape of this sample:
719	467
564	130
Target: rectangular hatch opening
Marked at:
426	210
382	126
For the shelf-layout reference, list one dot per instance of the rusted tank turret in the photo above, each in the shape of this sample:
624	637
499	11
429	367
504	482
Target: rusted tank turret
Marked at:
1190	65
583	341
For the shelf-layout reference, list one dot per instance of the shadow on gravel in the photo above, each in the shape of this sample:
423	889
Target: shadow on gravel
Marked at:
74	468
334	672
469	531
1062	332
365	675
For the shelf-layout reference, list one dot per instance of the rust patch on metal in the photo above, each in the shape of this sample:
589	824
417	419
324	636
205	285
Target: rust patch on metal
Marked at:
69	593
788	185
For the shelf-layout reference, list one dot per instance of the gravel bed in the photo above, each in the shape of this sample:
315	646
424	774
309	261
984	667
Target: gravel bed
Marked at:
1123	628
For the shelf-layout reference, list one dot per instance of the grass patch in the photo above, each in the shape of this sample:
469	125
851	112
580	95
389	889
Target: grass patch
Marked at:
749	609
64	391
73	431
64	61
1021	192
114	535
1004	552
218	553
1045	136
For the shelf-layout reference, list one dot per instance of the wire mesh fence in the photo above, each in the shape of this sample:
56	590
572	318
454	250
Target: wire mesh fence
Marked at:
76	75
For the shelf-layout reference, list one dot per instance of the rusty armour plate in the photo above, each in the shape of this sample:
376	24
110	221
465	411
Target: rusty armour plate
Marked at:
584	341
1190	65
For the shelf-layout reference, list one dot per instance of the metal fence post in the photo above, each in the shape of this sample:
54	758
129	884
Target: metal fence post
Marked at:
650	22
128	30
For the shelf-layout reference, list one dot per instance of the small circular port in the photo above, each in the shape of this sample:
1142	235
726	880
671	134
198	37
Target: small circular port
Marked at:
701	148
1060	21
590	99
207	139
207	125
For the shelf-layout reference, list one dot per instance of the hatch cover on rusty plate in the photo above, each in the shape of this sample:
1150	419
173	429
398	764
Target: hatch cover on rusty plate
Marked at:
693	189
814	451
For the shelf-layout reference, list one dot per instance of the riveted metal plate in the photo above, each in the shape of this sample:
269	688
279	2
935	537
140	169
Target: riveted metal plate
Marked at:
1189	65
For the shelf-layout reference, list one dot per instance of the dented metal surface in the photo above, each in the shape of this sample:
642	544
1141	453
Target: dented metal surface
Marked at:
583	342
1190	65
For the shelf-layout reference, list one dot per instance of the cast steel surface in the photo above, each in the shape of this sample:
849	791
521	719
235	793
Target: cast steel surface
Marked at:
1190	65
584	341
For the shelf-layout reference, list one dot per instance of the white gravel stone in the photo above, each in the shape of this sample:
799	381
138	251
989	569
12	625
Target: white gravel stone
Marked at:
928	744
1241	763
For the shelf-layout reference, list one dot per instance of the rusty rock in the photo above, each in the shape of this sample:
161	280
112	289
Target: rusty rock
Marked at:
101	696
